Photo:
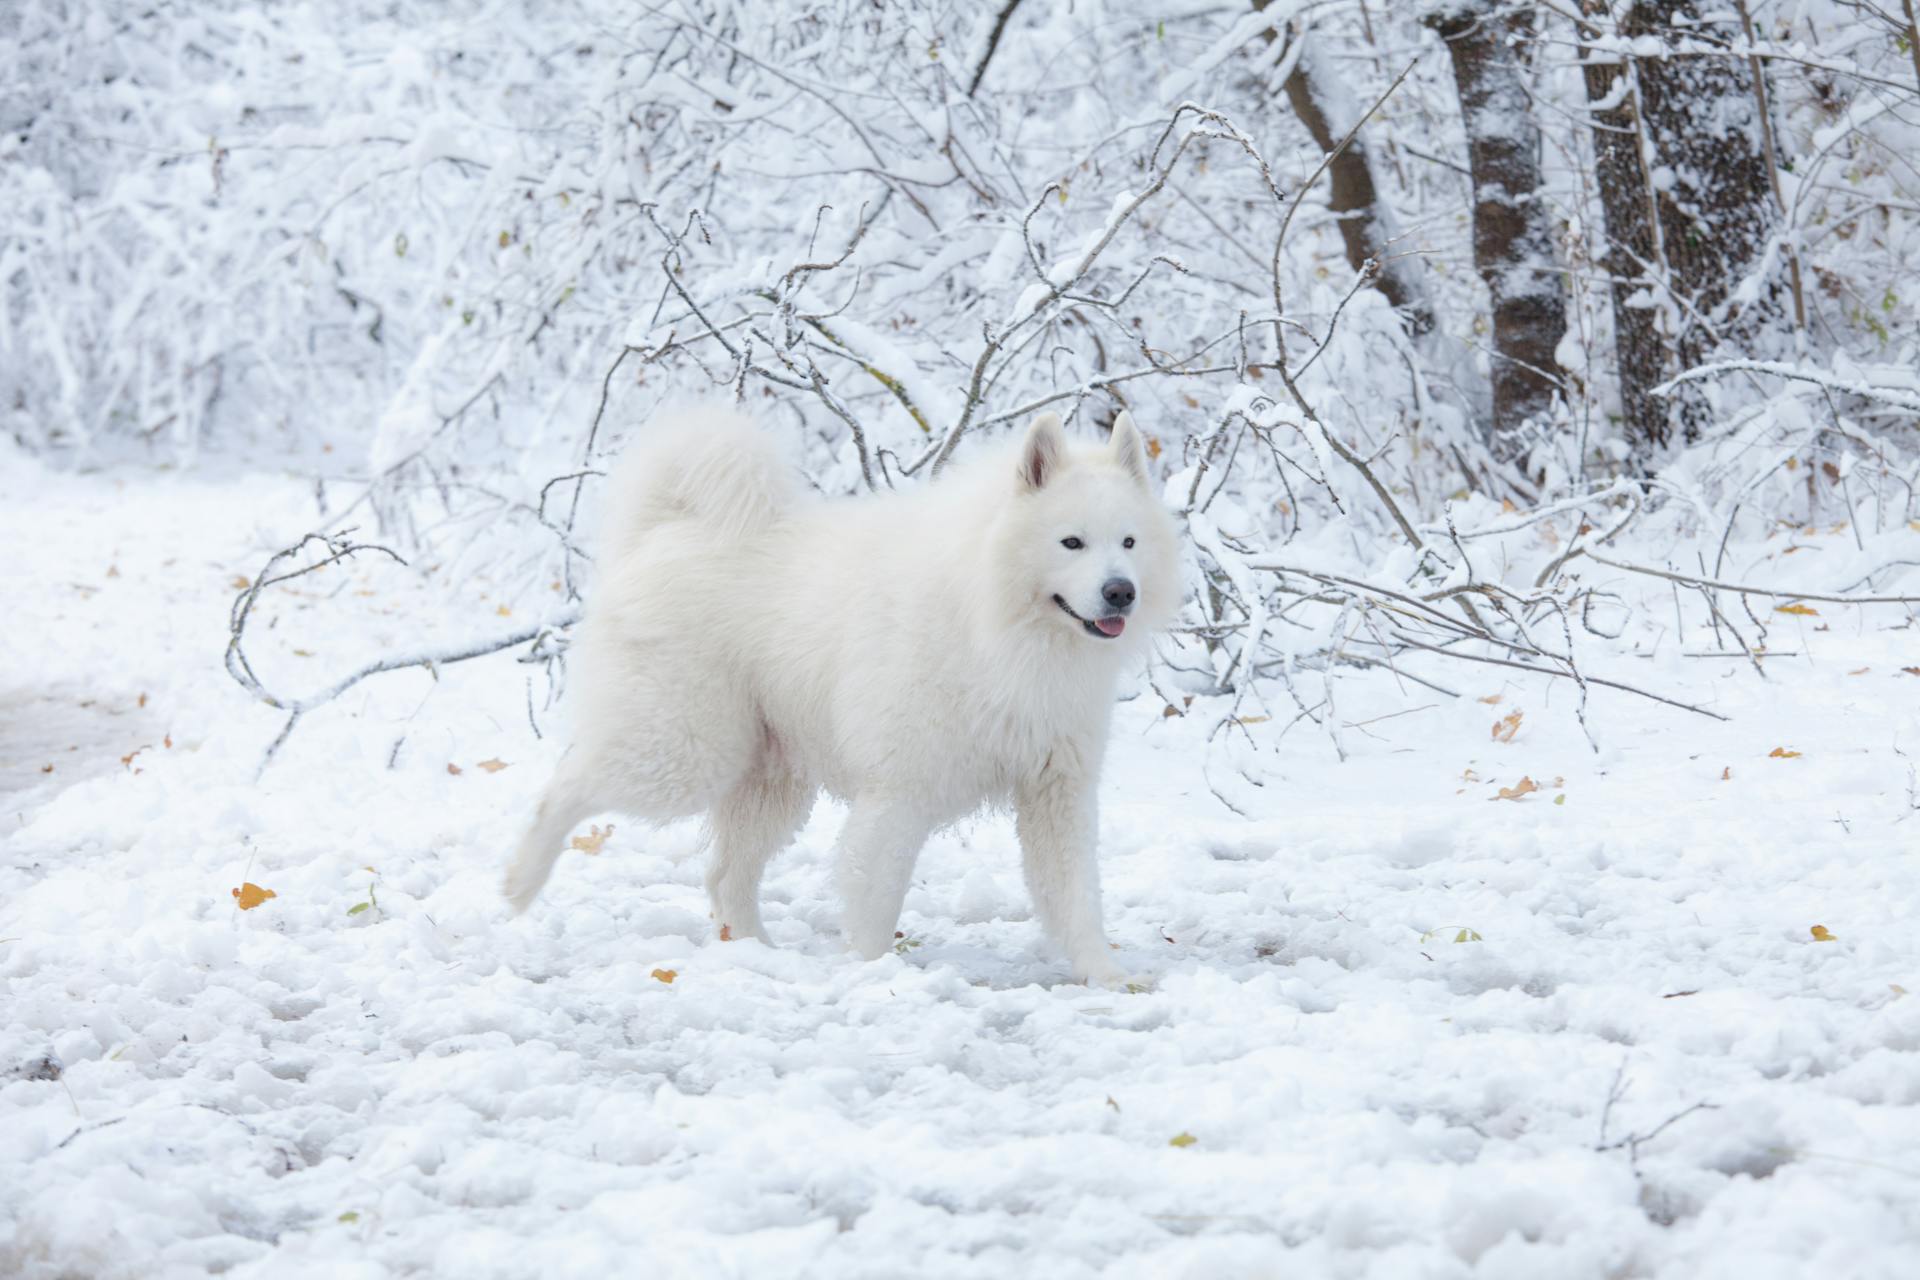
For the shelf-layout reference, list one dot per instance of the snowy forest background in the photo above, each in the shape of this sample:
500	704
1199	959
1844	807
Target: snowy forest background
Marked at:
1537	386
1373	274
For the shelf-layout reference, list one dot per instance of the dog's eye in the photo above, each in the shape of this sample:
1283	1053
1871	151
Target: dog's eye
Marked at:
1072	544
1127	543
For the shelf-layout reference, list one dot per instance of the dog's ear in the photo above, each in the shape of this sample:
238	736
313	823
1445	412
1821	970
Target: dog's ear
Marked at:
1129	449
1042	452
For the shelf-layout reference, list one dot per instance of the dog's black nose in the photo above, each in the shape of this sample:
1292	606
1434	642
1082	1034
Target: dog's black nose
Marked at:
1118	593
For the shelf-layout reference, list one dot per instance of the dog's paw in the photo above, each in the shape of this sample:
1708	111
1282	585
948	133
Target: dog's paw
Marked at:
520	888
1099	971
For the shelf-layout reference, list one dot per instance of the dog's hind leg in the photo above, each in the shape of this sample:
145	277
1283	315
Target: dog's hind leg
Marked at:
878	848
568	801
751	824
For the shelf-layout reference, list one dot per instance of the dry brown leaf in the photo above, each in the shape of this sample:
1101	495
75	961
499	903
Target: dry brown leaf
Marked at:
1781	753
1153	446
1726	774
594	840
250	895
1859	671
113	571
1169	711
1251	719
1798	610
1524	787
492	766
46	768
1822	934
726	933
167	742
665	975
143	700
240	581
303	653
1506	726
1912	671
1494	699
453	768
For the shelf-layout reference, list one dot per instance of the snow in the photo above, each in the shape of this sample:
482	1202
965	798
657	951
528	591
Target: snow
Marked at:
428	1087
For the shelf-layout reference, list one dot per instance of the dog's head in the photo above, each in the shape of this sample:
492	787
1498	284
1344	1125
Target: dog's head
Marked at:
1093	548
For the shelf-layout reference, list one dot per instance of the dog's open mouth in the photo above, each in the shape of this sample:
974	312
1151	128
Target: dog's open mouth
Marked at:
1107	627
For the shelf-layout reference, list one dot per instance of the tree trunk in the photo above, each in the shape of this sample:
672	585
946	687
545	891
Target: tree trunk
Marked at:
1684	238
1353	199
1491	45
1631	252
1712	187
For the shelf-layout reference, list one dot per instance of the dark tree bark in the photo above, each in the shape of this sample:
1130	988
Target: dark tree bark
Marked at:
1631	252
1684	236
1352	195
1491	45
1712	194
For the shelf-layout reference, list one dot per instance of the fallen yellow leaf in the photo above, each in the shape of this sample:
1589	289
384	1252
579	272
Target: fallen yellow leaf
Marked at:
1781	753
595	838
251	895
1822	934
1153	447
492	766
1799	610
504	612
1494	699
666	975
1182	1140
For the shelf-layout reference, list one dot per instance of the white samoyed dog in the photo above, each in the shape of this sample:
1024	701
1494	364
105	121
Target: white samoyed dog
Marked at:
918	654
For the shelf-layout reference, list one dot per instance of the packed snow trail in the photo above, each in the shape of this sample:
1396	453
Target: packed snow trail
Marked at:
1316	1079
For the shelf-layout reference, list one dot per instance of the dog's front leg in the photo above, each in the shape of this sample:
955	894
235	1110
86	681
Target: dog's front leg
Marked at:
878	848
1058	820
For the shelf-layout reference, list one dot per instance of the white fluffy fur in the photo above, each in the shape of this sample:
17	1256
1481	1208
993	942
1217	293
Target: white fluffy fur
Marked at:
749	644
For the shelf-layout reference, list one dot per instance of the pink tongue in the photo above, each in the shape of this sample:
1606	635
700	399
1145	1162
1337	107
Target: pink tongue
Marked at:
1111	626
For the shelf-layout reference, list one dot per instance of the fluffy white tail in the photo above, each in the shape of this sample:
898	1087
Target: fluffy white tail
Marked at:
707	464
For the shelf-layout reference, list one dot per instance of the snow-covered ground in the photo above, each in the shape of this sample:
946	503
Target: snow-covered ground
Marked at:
1317	1078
